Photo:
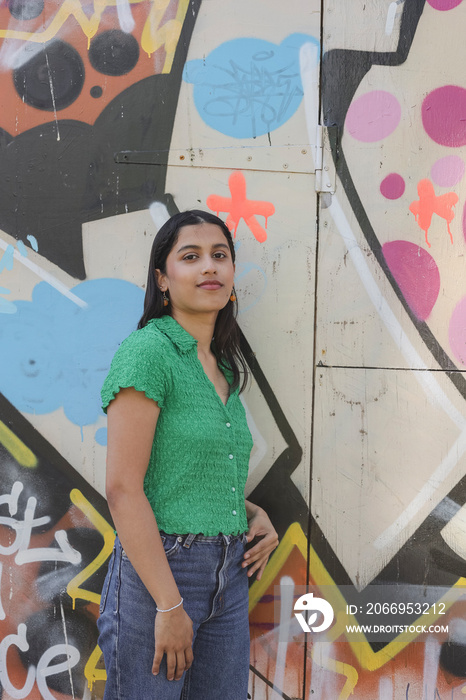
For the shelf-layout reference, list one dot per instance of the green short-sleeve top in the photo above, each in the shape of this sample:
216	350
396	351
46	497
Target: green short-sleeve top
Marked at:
199	460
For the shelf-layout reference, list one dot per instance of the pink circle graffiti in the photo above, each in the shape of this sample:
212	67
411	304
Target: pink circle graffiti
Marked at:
457	331
444	115
392	186
416	274
373	116
444	4
447	171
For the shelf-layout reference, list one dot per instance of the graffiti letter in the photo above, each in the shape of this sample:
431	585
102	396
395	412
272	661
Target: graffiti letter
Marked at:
44	670
67	553
18	640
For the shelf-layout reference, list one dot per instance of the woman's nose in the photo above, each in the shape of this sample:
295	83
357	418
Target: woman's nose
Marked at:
209	266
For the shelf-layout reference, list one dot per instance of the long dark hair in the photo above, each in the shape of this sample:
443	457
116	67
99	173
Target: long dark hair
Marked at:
226	345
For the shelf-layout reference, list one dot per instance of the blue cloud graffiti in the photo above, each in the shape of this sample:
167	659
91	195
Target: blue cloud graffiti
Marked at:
54	353
248	87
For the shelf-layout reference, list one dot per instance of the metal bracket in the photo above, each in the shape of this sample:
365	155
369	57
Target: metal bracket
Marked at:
325	167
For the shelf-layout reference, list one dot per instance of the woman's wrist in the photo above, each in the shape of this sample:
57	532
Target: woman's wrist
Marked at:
173	607
251	509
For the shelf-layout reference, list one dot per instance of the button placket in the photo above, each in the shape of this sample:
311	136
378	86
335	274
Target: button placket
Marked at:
231	457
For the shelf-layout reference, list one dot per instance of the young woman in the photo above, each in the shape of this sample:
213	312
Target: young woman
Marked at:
174	607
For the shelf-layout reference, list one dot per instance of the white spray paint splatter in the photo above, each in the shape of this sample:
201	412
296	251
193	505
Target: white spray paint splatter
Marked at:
431	663
286	613
159	214
385	688
125	16
46	276
65	634
52	93
309	67
391	16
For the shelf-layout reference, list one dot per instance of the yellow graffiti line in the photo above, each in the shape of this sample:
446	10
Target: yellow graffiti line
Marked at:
73	588
69	8
294	537
155	35
366	657
16	447
91	672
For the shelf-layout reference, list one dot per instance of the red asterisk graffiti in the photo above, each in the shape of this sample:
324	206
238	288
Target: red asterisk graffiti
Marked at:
239	207
429	204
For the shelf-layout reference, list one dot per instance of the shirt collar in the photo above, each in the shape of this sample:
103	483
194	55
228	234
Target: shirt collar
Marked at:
177	334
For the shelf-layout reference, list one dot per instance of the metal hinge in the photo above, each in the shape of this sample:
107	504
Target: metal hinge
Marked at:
324	164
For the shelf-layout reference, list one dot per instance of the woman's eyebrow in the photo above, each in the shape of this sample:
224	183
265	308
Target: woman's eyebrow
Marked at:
193	246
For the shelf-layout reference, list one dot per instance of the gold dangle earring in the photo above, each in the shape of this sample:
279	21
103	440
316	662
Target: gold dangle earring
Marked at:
233	295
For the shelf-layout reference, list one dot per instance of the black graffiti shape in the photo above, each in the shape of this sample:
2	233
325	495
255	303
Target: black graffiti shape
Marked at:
41	184
52	79
453	655
46	629
25	9
114	52
96	91
49	187
53	577
50	482
51	496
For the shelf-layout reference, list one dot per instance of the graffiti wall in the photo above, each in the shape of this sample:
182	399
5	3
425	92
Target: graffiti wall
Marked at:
388	495
331	139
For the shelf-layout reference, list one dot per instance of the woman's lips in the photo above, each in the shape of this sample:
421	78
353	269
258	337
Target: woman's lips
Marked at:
210	285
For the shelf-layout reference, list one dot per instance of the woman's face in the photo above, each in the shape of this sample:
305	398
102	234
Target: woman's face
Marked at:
199	271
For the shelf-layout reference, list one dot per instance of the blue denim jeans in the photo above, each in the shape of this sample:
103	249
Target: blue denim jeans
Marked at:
214	586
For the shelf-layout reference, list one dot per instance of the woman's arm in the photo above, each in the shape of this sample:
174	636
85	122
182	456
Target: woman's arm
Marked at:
132	420
259	526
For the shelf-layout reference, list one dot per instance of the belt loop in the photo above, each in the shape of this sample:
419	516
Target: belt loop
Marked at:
189	540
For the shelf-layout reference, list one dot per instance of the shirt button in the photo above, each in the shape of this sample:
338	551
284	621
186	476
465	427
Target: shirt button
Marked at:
233	512
230	456
233	489
228	425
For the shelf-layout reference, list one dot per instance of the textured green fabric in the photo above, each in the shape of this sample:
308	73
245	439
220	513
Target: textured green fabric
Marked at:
199	461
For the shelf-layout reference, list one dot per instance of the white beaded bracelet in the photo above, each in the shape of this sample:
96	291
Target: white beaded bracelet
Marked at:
169	609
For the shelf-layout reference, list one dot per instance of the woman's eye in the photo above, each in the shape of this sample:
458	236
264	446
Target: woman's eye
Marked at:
219	255
190	256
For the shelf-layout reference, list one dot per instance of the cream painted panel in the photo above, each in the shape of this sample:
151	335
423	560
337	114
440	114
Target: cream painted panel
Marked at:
383	459
362	25
285	148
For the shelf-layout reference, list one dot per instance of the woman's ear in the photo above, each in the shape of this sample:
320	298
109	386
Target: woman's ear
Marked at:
160	279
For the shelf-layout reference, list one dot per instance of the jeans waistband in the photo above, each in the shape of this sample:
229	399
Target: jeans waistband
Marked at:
188	539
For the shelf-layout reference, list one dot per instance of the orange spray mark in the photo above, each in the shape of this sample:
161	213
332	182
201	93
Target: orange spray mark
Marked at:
429	203
238	206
